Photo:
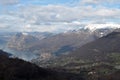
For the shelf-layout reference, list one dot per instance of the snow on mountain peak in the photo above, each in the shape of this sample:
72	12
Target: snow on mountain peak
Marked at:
24	33
93	27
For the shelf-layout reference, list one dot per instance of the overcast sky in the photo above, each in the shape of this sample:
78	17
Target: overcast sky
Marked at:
56	15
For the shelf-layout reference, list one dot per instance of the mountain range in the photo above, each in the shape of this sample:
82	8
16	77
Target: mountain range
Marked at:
100	48
74	55
55	44
104	50
30	45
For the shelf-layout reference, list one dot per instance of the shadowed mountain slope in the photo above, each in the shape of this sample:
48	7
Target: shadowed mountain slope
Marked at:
100	48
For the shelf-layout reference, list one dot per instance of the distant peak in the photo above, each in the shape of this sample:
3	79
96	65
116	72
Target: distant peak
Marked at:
19	34
93	27
24	33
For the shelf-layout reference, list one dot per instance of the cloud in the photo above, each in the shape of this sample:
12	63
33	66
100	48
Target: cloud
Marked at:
56	13
90	1
100	2
58	17
8	2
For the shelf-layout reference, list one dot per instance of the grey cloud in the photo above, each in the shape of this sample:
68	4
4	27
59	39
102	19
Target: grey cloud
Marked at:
8	2
90	1
100	1
55	13
58	17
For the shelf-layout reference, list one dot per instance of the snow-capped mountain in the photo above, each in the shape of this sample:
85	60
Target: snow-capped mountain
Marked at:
94	27
60	43
91	27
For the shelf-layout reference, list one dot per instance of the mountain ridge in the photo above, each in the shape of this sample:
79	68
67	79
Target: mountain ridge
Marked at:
106	44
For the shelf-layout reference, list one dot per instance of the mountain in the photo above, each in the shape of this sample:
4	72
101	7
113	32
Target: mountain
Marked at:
100	48
4	37
41	35
64	43
94	27
2	53
35	43
97	60
68	41
104	50
21	41
18	42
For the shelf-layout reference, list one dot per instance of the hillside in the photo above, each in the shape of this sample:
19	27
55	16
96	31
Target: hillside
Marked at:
103	51
66	42
34	44
99	49
16	69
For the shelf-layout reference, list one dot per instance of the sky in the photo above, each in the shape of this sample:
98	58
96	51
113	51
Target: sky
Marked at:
56	15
